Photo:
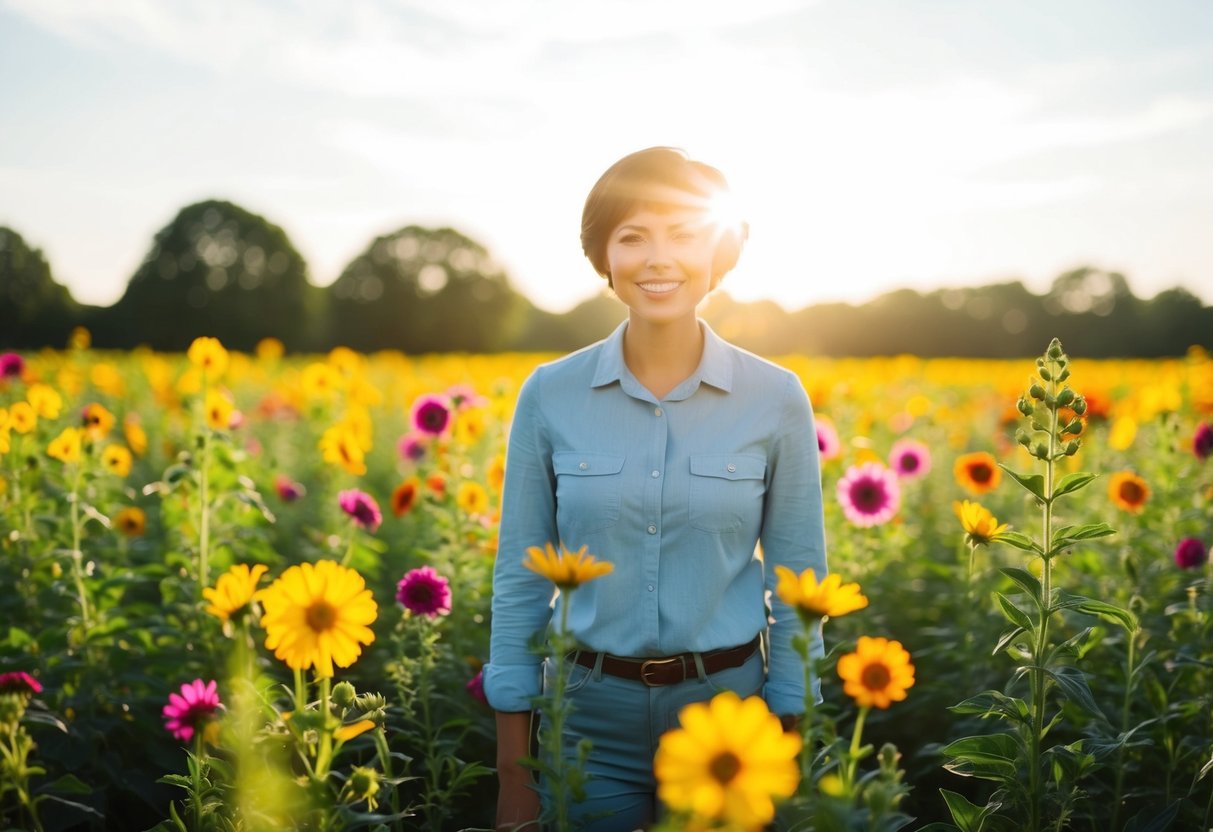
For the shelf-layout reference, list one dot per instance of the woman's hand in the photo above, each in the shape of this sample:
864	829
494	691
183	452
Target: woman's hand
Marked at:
517	800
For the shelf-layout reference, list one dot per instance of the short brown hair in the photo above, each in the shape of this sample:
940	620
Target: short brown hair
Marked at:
663	176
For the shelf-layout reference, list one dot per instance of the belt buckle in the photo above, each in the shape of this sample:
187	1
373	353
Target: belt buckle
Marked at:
647	663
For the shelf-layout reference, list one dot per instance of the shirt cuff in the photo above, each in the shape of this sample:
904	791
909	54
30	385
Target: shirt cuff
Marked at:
512	688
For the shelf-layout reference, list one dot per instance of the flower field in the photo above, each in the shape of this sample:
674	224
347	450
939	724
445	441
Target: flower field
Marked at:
253	592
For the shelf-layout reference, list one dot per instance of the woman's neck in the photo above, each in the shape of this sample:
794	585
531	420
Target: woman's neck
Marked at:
662	356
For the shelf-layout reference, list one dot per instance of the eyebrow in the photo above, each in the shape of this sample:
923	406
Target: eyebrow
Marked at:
674	227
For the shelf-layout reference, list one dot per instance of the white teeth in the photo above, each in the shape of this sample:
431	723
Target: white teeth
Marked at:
658	287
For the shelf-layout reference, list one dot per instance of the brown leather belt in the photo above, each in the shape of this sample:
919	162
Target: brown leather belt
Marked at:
668	670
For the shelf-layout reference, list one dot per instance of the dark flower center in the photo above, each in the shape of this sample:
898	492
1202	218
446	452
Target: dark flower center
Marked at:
421	594
321	616
1132	493
724	767
868	496
433	417
876	677
909	462
980	472
363	513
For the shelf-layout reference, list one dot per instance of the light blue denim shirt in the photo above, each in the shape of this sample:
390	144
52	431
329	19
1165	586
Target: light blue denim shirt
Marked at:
676	494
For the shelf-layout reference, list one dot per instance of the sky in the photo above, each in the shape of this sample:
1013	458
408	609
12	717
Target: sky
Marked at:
872	144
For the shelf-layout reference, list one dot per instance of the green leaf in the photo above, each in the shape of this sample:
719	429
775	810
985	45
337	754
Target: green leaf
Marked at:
1073	482
968	817
1142	822
1013	613
1005	641
988	757
1091	606
1032	483
67	784
994	703
1072	683
1020	541
1026	580
18	638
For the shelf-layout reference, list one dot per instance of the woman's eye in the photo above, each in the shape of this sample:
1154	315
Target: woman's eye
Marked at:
631	239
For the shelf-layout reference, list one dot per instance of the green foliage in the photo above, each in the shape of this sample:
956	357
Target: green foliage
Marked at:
34	309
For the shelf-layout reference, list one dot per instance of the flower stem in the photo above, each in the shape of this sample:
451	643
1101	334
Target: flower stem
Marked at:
1124	728
204	543
324	757
852	765
199	751
807	729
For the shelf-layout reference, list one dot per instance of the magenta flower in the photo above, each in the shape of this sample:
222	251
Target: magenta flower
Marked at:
288	490
475	688
12	365
412	446
463	396
910	459
1190	553
18	681
362	507
423	591
828	443
869	494
1202	442
190	709
431	414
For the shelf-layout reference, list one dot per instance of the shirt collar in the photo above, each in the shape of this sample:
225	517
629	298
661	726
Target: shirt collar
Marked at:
714	368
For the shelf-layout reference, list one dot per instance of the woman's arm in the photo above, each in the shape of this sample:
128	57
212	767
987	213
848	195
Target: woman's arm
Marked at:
517	800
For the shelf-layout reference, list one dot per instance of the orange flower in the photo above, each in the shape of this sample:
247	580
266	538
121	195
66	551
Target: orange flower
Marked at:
495	474
1128	491
404	497
97	421
877	674
977	473
116	459
131	521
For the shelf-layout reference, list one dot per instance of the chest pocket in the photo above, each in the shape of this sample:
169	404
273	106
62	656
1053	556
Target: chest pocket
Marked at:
726	491
589	491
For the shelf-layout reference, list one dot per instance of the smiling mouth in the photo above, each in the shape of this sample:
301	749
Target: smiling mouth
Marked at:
659	287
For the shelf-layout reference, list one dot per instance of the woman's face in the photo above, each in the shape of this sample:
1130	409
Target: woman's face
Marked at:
660	261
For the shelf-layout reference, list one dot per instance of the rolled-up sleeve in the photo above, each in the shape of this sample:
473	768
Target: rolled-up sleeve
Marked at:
793	534
522	599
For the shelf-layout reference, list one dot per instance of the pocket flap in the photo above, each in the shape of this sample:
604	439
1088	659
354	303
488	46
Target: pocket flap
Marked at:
581	464
729	466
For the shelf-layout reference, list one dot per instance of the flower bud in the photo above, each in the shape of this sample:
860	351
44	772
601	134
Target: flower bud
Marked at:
1075	427
1024	406
1021	436
1037	392
1045	374
363	785
1065	396
343	695
1079	406
1064	374
1041	451
1055	349
1072	447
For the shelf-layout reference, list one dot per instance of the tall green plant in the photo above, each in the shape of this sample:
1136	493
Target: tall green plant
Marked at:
1039	778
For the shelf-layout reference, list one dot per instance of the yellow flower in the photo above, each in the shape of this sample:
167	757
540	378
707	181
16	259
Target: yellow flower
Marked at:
877	674
729	761
1128	492
320	381
1122	434
269	349
209	356
80	338
345	361
340	447
568	570
813	600
318	615
977	473
470	425
233	591
471	497
131	521
106	378
97	421
218	410
347	732
66	446
22	418
496	473
117	460
979	523
45	400
136	436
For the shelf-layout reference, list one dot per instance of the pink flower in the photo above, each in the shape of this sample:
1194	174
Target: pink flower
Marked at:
18	681
869	494
1190	553
412	446
475	688
1202	442
288	490
423	591
828	443
188	710
910	459
463	396
431	414
12	365
362	507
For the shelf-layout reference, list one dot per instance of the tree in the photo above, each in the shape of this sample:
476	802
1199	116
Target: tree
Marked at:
35	311
216	270
425	290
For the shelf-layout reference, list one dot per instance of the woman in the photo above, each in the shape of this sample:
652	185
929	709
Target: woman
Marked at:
669	453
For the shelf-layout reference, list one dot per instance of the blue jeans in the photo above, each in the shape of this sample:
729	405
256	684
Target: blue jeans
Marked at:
624	720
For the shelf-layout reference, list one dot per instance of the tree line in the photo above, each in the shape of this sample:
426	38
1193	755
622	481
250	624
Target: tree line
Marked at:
220	270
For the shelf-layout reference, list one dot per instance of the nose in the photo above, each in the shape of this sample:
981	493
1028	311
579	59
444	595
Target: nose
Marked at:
659	256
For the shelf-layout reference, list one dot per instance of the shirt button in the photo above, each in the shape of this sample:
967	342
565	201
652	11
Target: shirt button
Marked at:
655	474
652	529
731	467
650	587
657	411
583	465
